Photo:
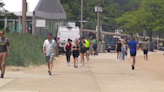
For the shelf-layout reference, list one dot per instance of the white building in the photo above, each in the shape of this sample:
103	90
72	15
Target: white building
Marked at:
49	10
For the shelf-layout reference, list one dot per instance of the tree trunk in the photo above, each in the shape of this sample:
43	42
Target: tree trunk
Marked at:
150	35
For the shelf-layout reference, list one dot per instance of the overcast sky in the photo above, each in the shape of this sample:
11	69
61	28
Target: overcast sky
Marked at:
16	5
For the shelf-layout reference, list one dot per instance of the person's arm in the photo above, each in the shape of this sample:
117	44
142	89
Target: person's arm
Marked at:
44	48
148	47
72	47
142	46
116	47
65	47
9	49
79	48
128	45
137	46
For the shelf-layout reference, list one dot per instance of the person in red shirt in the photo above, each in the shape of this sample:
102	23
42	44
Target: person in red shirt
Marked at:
67	49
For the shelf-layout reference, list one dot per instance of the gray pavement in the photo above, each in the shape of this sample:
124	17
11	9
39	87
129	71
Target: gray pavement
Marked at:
102	74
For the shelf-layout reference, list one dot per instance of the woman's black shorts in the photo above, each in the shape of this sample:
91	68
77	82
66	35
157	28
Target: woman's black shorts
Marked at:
75	54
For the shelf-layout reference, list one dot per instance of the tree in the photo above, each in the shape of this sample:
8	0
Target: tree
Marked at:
149	17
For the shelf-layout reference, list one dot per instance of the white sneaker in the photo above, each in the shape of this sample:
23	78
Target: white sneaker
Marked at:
68	64
81	65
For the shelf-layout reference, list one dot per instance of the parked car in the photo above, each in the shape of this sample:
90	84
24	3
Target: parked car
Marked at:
65	33
111	44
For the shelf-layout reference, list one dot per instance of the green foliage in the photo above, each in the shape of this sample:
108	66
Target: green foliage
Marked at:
149	17
110	12
25	50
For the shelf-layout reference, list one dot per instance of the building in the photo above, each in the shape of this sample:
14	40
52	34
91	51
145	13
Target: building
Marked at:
49	11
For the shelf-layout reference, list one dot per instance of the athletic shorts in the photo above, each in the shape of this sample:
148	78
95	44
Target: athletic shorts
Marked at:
145	52
87	48
75	54
82	51
132	54
50	58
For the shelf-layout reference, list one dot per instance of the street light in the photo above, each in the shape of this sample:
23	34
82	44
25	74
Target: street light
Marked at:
98	20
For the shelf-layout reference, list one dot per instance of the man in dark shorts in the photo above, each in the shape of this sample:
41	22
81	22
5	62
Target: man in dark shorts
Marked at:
94	41
4	43
87	45
145	48
133	51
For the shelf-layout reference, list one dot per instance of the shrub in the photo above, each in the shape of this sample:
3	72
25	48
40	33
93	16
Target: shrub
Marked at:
25	50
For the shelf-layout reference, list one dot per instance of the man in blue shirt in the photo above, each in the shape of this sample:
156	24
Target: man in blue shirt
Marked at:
133	45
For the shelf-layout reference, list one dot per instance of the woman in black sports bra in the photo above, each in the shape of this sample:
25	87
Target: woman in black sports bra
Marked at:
75	50
118	49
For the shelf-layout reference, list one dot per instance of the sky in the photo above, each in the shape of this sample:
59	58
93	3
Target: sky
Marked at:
16	5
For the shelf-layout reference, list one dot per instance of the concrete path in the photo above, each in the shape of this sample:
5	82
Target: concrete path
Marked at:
102	74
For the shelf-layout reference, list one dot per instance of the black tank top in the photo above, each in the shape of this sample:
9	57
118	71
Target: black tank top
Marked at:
119	46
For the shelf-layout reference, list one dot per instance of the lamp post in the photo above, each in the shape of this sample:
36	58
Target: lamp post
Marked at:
81	32
98	21
24	10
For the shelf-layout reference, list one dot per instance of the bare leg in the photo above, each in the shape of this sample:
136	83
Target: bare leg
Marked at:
48	66
51	65
83	59
88	54
74	62
131	59
134	60
146	57
118	55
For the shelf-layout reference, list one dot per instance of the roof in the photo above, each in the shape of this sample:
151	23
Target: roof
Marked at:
50	9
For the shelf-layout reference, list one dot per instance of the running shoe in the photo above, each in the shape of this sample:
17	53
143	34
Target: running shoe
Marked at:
132	67
68	64
49	72
1	75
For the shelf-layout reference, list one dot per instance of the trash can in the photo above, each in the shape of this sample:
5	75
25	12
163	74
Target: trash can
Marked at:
152	45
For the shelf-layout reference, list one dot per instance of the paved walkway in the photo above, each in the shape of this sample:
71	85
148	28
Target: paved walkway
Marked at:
102	74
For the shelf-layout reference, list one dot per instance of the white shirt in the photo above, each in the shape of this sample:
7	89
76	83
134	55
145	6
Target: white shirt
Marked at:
50	47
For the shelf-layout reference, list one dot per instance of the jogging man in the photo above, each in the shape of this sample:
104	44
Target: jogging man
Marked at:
133	51
49	49
145	48
4	43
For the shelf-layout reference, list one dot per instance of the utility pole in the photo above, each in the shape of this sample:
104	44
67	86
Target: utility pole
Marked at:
81	32
98	21
24	10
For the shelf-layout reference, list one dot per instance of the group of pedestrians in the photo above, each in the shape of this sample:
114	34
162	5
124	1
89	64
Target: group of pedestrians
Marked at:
133	45
121	49
77	48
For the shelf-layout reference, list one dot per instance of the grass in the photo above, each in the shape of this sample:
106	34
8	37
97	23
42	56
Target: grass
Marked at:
25	50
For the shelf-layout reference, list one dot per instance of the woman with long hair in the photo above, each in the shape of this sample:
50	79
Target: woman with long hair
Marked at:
75	50
67	49
82	50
